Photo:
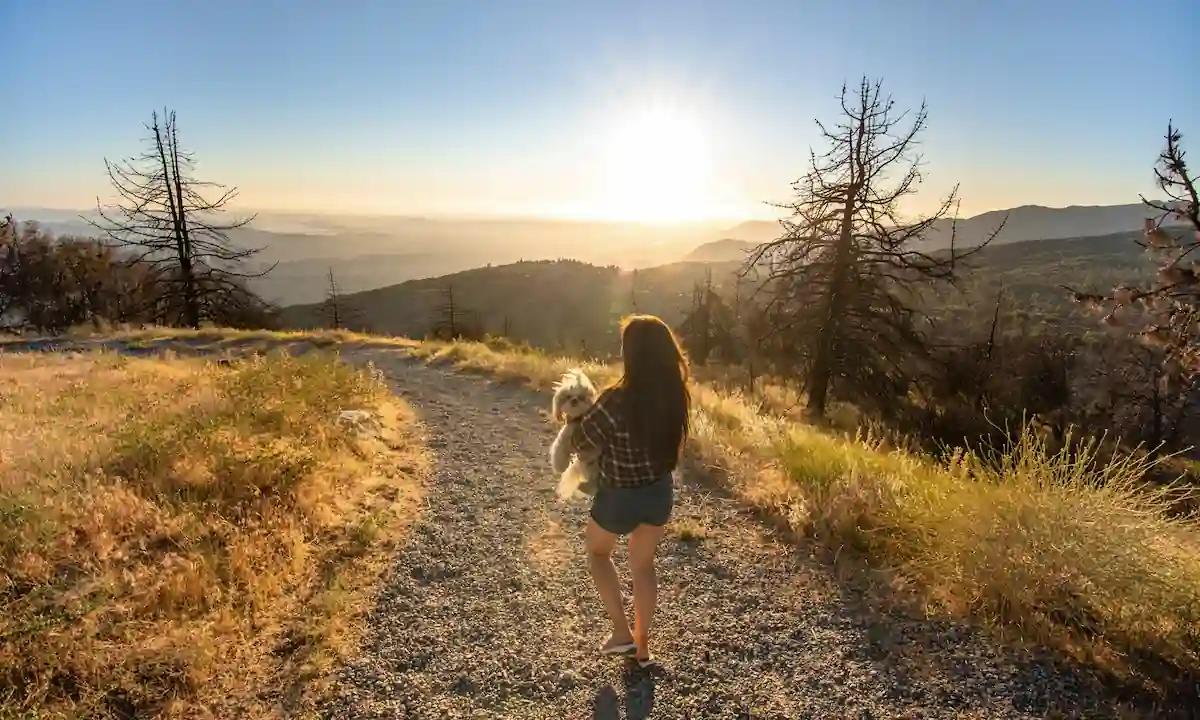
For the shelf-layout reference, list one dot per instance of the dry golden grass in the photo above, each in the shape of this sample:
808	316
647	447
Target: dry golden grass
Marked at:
688	530
213	337
1038	545
181	538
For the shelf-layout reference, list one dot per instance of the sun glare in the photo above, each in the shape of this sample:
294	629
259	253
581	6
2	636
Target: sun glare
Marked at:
657	162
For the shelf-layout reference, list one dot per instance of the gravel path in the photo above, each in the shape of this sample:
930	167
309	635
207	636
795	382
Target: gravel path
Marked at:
489	611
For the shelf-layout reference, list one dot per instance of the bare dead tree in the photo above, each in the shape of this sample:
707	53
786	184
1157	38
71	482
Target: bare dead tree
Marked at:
163	219
1165	313
339	312
710	324
452	321
844	278
696	325
747	325
449	314
991	341
333	308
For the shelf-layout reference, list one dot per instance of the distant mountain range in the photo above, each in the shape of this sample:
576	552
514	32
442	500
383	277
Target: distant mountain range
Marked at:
1028	222
368	252
724	250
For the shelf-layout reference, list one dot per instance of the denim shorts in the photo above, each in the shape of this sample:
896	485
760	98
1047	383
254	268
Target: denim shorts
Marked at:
620	510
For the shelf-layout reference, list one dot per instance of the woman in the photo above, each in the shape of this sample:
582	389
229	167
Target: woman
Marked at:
638	426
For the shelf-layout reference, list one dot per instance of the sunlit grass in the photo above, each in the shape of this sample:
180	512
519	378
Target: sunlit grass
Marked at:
213	337
177	535
1042	544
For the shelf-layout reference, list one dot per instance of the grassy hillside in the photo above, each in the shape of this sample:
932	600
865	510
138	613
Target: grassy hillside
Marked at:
182	537
1032	273
547	303
1033	544
567	304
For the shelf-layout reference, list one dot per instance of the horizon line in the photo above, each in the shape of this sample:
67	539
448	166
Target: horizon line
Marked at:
532	217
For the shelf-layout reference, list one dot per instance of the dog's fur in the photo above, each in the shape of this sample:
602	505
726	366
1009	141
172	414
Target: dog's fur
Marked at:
574	394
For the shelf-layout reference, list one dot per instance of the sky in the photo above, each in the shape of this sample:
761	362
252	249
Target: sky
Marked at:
655	111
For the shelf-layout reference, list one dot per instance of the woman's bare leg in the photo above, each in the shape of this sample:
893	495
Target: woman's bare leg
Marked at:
600	544
643	545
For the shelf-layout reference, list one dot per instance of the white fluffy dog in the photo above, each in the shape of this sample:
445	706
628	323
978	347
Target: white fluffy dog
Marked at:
573	395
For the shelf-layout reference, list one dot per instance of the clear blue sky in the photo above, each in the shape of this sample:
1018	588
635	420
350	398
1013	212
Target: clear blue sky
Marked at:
447	106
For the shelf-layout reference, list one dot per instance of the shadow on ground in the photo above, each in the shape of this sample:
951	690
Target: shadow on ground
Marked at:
638	700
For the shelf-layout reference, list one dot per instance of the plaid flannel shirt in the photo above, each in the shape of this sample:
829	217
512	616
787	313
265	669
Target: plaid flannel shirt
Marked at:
603	428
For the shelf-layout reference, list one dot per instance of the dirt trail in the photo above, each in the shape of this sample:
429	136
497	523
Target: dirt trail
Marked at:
489	611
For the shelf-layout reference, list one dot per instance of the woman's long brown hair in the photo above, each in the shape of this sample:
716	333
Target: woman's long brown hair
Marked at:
655	380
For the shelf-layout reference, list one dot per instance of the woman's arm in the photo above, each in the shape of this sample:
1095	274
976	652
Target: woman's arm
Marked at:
594	430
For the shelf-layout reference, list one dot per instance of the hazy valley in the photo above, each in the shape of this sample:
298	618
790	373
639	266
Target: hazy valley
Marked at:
373	252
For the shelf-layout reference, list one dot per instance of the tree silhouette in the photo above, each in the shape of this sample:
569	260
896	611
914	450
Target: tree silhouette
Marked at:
163	220
337	312
844	278
453	321
333	307
1165	313
709	325
49	284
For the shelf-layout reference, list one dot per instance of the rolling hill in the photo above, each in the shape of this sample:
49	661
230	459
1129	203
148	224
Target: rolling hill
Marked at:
553	304
723	250
570	304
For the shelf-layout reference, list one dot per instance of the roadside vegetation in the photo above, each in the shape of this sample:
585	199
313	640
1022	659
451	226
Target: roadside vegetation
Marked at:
188	537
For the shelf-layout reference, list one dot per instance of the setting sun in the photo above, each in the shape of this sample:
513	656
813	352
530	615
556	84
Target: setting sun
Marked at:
657	166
